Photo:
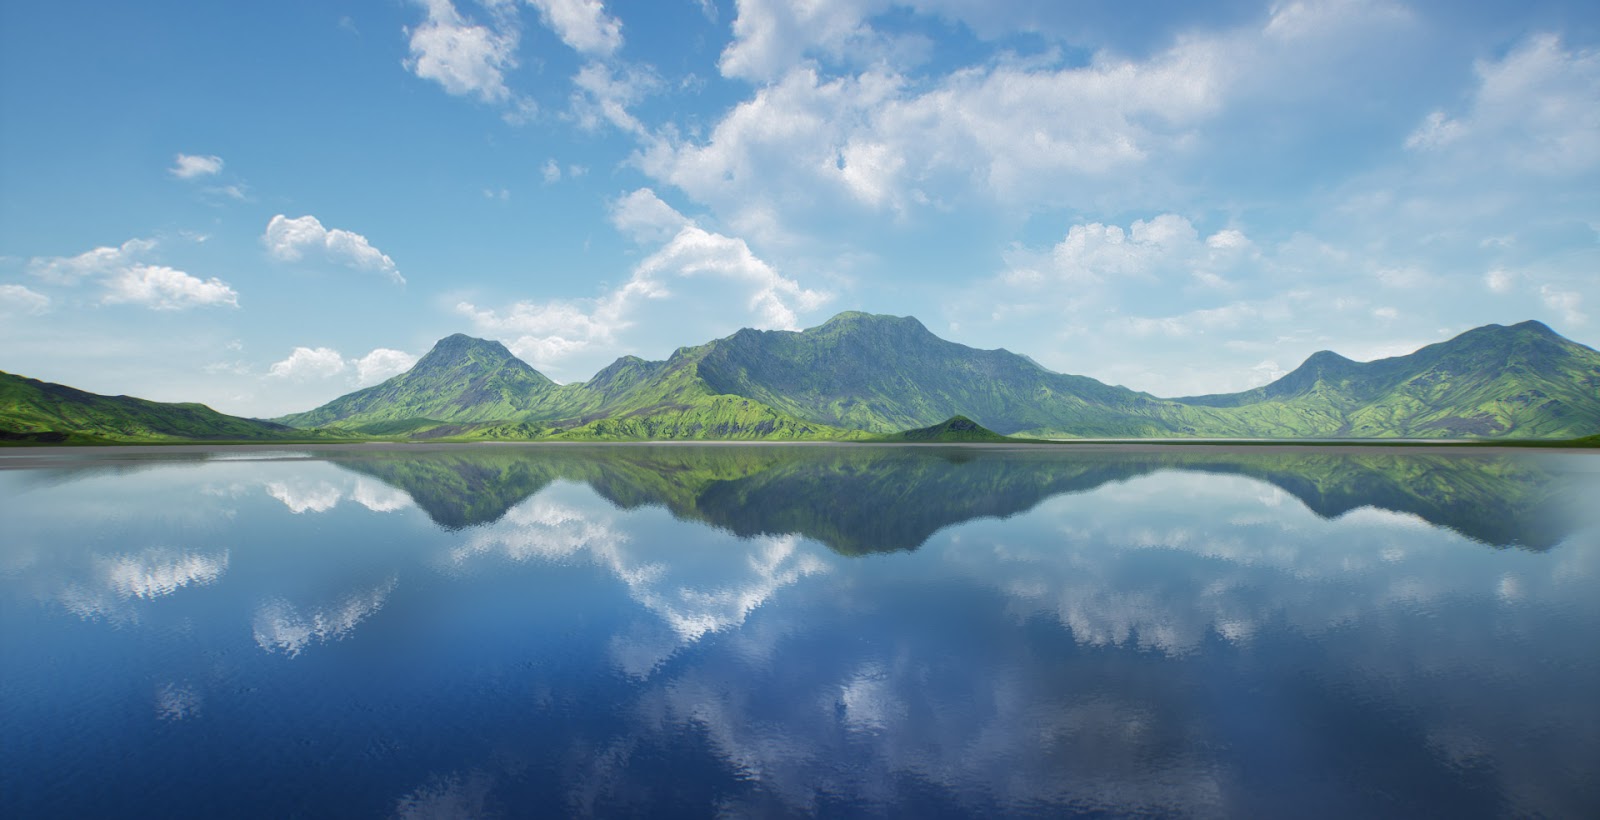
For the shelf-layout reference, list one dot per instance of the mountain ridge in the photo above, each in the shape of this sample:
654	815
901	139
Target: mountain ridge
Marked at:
861	375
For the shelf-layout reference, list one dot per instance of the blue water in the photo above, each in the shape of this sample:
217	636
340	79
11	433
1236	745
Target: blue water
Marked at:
791	631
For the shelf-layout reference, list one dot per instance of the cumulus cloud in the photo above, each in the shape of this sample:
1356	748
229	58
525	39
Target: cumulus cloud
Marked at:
546	332
306	363
291	239
163	288
1016	132
69	270
1538	109
1565	302
583	25
604	94
1094	253
645	217
1500	280
192	166
127	279
382	364
21	299
466	58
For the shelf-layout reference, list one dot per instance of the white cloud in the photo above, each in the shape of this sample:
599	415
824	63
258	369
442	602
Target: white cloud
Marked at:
466	58
550	332
604	94
551	171
771	36
325	362
1500	280
1095	253
774	298
191	166
1016	132
381	364
1566	302
290	239
582	24
309	362
103	261
19	299
643	216
1538	109
164	288
1437	130
128	279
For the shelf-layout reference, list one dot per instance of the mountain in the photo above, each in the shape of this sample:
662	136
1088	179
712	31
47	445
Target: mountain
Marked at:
956	429
468	388
859	374
461	379
36	411
885	374
859	500
1522	381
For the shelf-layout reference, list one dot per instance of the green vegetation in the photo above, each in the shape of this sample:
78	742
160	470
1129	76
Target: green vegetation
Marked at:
956	429
861	377
36	412
1523	381
866	499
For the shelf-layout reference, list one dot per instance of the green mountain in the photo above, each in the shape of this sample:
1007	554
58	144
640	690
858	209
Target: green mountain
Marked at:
42	412
885	374
1522	381
469	388
858	375
859	500
956	429
461	379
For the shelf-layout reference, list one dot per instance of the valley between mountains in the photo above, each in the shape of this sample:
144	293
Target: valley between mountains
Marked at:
869	377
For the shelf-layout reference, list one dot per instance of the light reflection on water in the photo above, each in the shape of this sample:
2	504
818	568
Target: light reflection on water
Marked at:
790	631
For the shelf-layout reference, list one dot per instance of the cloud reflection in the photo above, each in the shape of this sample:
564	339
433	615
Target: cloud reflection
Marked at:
691	598
282	627
303	495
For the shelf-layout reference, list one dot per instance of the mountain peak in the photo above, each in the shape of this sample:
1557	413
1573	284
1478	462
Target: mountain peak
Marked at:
855	321
957	428
1535	326
1324	358
459	348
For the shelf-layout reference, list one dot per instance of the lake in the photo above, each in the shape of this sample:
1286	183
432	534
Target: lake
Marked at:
773	631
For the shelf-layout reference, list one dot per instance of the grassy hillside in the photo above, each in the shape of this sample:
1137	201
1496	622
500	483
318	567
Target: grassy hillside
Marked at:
953	430
460	380
1523	381
860	374
870	499
886	374
32	411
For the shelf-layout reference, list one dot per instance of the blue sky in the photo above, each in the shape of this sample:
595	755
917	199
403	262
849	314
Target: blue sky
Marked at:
264	206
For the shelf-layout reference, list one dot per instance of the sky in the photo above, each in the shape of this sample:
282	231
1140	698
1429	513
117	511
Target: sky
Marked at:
264	206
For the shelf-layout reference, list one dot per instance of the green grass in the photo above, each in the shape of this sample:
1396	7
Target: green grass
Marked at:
36	412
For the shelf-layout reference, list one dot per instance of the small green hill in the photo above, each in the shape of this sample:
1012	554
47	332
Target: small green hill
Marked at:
956	429
36	412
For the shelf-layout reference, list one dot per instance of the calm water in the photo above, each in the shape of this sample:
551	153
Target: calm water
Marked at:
777	631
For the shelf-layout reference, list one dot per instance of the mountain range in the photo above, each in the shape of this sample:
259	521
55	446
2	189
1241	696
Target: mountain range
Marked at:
863	376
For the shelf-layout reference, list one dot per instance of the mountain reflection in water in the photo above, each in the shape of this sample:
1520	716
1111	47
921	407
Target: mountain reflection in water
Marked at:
792	631
863	499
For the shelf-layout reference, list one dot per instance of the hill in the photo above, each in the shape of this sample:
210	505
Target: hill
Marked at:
46	413
956	429
1522	381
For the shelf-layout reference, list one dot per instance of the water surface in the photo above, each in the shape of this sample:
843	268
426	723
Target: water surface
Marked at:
788	631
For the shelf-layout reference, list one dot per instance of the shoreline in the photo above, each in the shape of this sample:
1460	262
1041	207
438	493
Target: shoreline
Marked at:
31	456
